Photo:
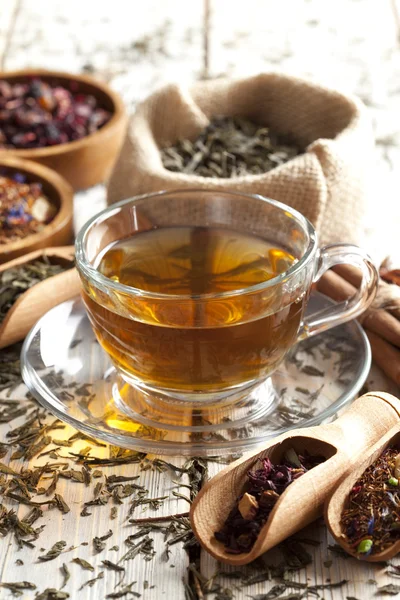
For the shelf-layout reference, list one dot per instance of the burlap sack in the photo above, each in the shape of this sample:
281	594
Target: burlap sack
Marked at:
326	183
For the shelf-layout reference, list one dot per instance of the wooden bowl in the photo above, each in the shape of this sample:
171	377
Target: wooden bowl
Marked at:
59	231
87	161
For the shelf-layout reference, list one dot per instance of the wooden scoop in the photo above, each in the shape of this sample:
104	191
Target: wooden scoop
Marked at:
341	443
336	502
40	298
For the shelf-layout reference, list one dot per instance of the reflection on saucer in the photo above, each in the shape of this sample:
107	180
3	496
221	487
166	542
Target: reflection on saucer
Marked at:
68	372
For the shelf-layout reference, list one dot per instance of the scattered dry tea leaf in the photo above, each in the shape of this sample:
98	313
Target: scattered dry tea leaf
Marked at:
66	574
391	589
54	551
112	566
52	594
99	542
91	582
7	470
61	504
310	370
274	592
124	592
83	563
145	547
17	587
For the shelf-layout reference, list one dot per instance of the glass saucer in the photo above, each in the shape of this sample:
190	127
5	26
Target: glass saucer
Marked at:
68	372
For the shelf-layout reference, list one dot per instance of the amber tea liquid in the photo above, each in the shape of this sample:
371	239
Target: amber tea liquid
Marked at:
194	343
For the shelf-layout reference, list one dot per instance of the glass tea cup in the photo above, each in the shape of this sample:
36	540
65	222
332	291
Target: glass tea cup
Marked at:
197	296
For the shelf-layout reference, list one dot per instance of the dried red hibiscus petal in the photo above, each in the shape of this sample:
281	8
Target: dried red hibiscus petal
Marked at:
36	114
263	488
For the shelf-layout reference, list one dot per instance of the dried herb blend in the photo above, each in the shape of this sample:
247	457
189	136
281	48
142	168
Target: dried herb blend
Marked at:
262	490
371	519
230	147
35	114
24	208
16	280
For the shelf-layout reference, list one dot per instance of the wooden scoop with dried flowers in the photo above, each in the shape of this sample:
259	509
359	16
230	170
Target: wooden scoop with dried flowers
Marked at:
381	321
266	496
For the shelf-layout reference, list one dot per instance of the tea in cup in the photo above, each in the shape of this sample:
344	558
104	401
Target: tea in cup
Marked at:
198	295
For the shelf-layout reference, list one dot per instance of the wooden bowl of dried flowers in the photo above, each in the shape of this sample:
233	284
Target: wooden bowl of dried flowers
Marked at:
70	123
35	208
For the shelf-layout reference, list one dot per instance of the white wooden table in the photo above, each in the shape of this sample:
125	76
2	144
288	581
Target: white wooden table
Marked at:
137	46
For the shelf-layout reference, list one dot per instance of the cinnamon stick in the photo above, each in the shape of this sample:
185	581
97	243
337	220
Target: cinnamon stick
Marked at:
382	328
377	320
335	287
386	294
386	356
349	273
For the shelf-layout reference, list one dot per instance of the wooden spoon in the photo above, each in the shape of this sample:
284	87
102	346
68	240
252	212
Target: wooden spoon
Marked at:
341	443
336	502
40	298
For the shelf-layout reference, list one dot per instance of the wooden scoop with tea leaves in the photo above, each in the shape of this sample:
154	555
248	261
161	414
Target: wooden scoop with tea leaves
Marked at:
363	512
30	286
267	496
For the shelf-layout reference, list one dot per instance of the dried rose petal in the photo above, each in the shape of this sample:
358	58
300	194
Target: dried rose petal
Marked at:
36	114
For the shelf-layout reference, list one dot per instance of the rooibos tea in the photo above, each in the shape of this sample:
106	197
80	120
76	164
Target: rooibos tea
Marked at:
182	345
371	519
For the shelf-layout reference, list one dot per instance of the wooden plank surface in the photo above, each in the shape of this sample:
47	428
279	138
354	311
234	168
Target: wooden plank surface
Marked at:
164	577
8	17
138	46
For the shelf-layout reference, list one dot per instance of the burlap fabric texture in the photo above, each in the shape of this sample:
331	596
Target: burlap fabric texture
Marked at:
326	183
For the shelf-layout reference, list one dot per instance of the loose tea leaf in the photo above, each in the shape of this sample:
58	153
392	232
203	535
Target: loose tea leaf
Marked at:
145	547
91	582
310	370
230	147
124	592
336	549
83	563
52	594
66	574
112	566
274	592
389	589
61	504
17	587
7	470
16	280
99	542
54	551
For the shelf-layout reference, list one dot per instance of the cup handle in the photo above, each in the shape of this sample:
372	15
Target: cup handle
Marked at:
339	254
